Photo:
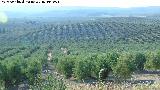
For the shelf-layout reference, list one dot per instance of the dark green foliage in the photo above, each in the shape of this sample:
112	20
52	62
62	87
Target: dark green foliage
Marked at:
17	68
100	62
149	60
139	61
153	61
109	61
33	69
124	67
157	61
65	66
11	70
112	58
121	30
82	69
55	61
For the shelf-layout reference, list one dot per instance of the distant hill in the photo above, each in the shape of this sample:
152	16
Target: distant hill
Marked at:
109	30
88	12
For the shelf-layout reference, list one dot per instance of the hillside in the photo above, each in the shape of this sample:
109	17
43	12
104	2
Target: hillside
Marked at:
122	33
120	29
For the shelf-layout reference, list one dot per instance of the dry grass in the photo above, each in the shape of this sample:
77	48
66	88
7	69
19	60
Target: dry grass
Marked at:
138	82
111	86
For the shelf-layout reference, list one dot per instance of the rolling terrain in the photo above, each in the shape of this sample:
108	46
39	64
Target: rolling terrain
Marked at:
96	49
117	32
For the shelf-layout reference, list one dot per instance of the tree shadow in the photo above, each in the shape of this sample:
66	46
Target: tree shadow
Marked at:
142	82
149	72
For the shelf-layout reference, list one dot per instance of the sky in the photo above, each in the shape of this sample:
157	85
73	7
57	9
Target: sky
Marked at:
88	3
82	3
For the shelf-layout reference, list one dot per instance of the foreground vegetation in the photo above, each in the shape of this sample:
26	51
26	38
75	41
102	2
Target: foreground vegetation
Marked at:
18	65
121	65
25	64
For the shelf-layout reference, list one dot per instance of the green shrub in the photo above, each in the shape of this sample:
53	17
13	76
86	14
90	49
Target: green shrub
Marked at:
66	65
156	61
153	61
55	61
10	71
113	58
139	61
124	67
33	69
100	62
82	69
149	61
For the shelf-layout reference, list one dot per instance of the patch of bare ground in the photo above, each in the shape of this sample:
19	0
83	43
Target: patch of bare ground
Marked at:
144	80
147	77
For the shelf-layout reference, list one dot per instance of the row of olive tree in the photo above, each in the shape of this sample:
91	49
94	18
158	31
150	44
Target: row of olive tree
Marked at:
100	66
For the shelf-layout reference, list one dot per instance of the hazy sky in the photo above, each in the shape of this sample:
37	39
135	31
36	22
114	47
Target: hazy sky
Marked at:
89	3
